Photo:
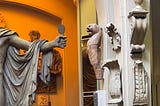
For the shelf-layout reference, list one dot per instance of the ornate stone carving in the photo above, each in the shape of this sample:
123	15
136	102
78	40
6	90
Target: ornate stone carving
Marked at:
115	36
114	81
140	84
138	23
93	49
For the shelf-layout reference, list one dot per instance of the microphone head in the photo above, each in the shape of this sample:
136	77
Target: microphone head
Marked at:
61	29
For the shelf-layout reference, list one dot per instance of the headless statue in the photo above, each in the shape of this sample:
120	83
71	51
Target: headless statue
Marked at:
18	71
93	49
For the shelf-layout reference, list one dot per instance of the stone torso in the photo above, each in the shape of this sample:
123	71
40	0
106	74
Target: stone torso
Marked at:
3	50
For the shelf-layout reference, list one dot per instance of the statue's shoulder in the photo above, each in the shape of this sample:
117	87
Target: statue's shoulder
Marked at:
6	32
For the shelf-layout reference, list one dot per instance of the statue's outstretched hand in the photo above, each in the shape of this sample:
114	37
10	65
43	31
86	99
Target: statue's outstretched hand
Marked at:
60	41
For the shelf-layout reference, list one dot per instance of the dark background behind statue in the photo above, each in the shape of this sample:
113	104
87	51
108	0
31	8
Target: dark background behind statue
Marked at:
89	78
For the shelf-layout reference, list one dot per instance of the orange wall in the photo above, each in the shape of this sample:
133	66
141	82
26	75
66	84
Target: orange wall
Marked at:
22	20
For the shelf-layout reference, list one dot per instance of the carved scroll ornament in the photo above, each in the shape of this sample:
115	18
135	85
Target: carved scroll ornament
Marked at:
138	21
115	36
115	94
140	84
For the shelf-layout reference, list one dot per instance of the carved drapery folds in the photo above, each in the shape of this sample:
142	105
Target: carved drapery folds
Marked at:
140	84
55	69
115	36
138	23
115	94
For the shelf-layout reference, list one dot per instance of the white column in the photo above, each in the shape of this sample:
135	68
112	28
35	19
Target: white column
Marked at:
116	12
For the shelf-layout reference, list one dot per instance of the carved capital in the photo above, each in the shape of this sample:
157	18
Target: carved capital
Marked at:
138	22
115	36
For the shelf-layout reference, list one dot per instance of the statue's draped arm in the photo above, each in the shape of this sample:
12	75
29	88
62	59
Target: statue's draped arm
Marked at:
19	43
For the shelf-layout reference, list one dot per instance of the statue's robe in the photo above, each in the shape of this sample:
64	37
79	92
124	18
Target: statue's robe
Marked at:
20	72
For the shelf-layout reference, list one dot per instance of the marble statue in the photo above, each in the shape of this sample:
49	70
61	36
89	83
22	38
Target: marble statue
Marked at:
93	49
18	72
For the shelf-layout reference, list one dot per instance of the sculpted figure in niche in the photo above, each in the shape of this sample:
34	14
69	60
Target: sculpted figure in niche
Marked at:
18	72
93	49
54	68
35	35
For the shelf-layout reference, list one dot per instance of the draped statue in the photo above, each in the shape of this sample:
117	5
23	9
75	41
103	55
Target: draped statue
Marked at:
18	72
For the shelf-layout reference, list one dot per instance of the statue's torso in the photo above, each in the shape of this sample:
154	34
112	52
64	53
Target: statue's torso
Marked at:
94	40
4	43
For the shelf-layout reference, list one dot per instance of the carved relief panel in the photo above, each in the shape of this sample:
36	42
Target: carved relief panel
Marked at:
138	21
115	94
140	84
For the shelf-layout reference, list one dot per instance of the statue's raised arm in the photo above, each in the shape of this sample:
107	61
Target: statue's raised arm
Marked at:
59	41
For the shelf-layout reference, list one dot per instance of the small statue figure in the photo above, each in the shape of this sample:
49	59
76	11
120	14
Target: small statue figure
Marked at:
93	49
34	35
18	72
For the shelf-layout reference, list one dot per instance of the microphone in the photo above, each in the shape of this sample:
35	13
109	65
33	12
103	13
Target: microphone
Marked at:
61	29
